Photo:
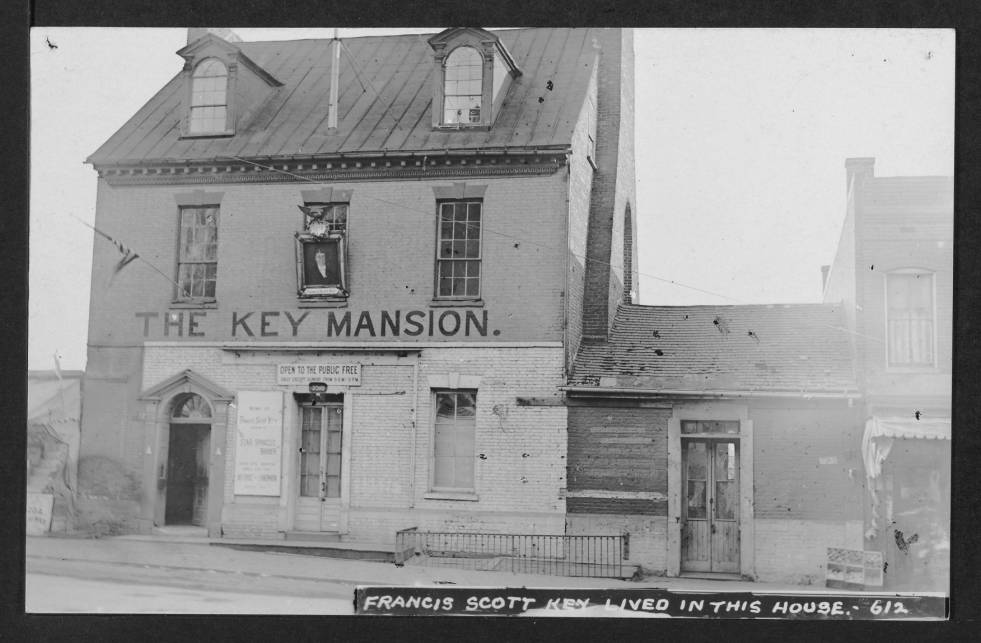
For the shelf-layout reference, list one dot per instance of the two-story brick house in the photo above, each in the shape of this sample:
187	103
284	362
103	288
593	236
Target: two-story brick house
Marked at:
893	275
403	219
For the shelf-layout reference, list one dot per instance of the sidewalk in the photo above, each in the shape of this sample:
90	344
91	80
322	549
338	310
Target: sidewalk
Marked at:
143	557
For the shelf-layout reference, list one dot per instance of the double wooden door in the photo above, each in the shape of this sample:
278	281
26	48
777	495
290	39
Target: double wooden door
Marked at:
318	503
710	507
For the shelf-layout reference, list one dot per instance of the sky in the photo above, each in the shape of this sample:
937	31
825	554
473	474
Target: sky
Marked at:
741	138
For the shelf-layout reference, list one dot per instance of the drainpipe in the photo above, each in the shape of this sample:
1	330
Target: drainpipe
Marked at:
415	431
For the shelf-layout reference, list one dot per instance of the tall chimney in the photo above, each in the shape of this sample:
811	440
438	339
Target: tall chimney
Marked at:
194	33
824	277
858	168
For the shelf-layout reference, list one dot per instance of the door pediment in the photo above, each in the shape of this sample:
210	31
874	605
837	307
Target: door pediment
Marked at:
187	381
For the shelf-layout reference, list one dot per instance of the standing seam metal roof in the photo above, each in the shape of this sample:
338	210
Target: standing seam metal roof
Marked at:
384	102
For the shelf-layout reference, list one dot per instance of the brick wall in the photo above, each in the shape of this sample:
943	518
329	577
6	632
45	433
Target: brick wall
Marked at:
391	258
618	449
613	183
795	551
648	535
802	458
904	222
520	464
580	189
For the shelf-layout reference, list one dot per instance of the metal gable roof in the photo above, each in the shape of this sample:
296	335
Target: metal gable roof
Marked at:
792	348
384	102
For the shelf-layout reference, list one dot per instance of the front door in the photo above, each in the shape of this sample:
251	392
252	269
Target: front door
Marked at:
710	513
187	474
318	505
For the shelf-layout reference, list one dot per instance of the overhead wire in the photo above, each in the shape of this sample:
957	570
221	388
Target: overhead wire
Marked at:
584	258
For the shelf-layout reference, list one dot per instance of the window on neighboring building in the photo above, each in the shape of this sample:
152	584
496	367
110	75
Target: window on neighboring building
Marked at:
454	438
209	99
909	318
197	262
458	250
463	86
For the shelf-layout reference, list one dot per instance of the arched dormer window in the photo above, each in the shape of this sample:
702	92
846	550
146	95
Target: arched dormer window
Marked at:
463	86
473	72
209	98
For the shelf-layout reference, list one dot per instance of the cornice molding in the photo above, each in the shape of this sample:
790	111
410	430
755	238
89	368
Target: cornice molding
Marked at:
302	171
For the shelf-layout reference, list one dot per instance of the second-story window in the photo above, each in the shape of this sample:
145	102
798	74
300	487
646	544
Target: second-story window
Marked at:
458	250
209	98
463	86
321	247
909	318
197	261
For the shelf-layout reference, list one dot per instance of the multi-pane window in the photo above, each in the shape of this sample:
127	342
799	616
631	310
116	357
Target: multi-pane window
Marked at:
458	249
463	86
909	318
197	263
453	446
325	218
209	100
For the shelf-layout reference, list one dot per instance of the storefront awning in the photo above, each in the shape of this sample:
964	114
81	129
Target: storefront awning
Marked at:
880	432
926	429
877	442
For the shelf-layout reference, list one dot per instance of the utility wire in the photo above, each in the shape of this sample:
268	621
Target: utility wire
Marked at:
584	258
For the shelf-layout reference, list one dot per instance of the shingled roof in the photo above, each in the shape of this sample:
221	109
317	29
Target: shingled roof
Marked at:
385	98
792	348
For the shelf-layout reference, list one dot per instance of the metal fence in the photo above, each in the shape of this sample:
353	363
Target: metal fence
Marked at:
594	556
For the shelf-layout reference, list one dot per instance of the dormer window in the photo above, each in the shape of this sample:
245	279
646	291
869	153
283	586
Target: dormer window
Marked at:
223	88
209	98
473	73
464	86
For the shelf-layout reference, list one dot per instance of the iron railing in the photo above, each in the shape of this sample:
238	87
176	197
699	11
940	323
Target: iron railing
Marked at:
555	555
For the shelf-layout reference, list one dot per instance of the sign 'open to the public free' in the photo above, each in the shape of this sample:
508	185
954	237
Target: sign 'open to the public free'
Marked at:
330	373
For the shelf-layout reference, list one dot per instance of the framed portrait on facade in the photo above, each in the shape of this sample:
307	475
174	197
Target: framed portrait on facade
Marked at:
320	265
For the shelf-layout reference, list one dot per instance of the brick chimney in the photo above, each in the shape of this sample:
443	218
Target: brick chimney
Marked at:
858	168
193	33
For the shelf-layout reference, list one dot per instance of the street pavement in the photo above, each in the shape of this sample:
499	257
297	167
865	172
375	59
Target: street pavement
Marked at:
111	566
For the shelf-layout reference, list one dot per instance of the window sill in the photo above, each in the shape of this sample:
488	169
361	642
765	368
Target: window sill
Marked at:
193	304
321	303
226	133
446	495
456	303
455	127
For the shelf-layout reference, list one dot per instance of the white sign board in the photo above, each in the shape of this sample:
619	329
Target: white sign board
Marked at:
259	443
330	373
39	513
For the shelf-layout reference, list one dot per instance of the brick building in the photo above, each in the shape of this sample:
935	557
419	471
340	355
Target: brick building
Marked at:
724	439
747	440
893	275
401	218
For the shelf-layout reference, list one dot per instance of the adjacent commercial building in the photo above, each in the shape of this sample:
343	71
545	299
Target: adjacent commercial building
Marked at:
893	275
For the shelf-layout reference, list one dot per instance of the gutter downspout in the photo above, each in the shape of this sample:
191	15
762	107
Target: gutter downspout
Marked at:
415	433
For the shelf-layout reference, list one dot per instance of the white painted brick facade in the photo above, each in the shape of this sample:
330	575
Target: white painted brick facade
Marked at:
517	482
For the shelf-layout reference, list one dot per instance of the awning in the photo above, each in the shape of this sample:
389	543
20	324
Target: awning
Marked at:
908	428
880	432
